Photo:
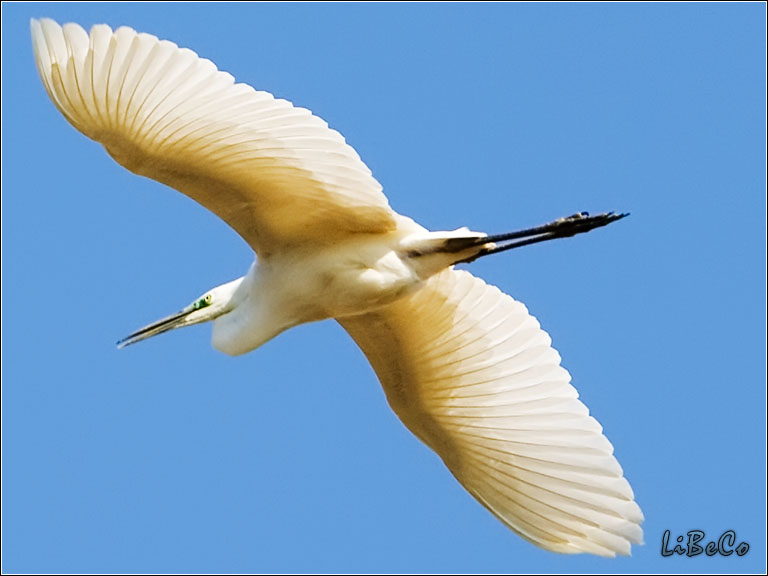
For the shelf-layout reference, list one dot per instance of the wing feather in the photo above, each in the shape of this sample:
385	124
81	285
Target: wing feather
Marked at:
276	173
471	373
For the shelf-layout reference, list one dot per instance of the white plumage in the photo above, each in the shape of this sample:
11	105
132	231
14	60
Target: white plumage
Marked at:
466	368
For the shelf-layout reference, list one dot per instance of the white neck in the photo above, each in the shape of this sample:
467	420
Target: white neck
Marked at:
250	321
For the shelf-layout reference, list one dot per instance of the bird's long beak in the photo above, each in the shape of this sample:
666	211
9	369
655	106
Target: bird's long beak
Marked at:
163	325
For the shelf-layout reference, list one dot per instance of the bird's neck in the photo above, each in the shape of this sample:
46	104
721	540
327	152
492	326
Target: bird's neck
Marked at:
251	321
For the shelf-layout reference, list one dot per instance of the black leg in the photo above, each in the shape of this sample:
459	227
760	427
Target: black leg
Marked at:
568	226
560	228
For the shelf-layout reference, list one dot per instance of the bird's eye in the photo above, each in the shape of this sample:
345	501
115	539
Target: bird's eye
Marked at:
208	298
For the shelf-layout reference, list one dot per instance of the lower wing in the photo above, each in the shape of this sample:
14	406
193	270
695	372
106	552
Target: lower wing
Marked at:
471	373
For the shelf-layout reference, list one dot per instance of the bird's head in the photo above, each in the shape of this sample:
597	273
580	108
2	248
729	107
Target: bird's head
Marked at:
209	306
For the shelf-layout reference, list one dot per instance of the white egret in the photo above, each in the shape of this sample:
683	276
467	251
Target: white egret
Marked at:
466	368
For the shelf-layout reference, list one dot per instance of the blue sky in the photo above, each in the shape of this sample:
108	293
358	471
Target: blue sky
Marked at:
171	457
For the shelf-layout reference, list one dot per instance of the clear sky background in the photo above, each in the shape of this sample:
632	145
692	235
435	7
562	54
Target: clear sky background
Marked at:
171	457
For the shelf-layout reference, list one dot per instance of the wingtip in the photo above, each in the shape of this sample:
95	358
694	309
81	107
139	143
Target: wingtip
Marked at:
35	29
38	22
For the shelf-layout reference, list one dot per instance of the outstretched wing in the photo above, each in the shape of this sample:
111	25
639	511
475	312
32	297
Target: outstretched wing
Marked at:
470	372
275	173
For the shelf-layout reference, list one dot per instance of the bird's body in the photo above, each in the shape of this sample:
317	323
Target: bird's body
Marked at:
307	284
465	366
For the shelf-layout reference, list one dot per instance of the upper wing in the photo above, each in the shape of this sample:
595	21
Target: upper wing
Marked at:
277	174
470	372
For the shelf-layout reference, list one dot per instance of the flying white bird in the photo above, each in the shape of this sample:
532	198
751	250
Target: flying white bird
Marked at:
466	368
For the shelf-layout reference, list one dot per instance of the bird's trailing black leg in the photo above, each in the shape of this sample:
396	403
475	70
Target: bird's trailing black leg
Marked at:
560	228
568	226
